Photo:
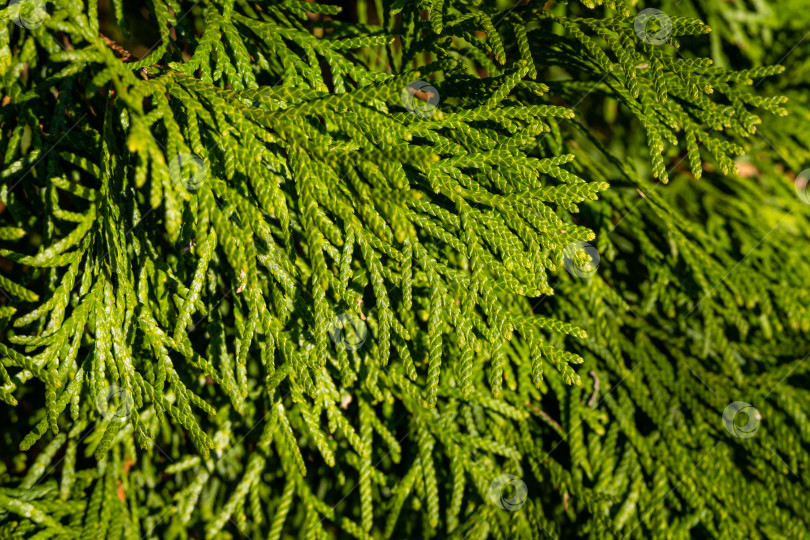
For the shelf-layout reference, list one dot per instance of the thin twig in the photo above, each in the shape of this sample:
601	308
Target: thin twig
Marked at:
119	51
595	394
122	53
545	415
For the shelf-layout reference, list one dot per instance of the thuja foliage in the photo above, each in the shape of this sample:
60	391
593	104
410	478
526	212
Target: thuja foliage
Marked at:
208	297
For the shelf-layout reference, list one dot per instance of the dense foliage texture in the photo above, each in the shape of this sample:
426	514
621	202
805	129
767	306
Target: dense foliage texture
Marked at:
261	279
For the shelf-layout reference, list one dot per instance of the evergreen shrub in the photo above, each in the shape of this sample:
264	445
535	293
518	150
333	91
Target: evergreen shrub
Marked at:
401	269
